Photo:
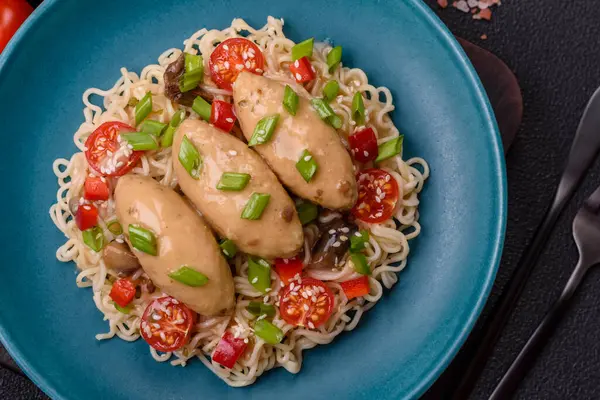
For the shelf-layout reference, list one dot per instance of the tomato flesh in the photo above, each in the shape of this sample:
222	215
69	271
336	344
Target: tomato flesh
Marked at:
377	196
363	145
222	115
288	268
356	287
12	14
122	292
311	311
105	139
167	324
86	216
231	57
229	350
302	70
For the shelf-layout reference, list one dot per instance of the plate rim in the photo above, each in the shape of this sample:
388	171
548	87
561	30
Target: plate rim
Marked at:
450	43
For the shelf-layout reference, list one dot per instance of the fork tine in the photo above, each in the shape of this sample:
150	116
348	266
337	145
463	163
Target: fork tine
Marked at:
593	202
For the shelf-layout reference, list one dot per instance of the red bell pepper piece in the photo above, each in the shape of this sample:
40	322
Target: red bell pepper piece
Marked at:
356	287
288	268
222	115
95	188
122	292
302	70
86	216
363	145
229	350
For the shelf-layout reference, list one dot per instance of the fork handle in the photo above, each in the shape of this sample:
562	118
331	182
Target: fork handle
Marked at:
518	369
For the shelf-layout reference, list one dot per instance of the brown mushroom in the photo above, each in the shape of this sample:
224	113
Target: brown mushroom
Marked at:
172	77
333	244
118	257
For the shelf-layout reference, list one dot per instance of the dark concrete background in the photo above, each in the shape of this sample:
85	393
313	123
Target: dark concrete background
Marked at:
551	46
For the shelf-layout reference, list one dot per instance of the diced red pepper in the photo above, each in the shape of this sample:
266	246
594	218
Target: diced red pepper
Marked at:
288	268
302	70
222	115
122	292
95	188
356	287
86	216
363	145
229	350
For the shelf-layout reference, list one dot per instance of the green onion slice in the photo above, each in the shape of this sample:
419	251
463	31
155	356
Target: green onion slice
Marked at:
202	108
233	181
255	206
334	57
141	141
125	310
360	263
307	166
194	72
228	248
152	127
143	108
331	90
143	240
189	277
268	332
290	100
307	212
115	227
258	309
189	157
259	274
303	49
167	138
94	238
359	240
326	113
264	130
358	109
390	148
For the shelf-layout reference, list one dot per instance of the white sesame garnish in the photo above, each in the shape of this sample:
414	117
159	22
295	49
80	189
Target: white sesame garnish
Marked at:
296	64
268	289
311	325
260	71
229	119
307	158
225	47
358	234
314	299
232	153
298	77
366	153
226	64
248	65
255	279
345	229
336	244
343	238
332	231
266	299
239	67
377	199
306	307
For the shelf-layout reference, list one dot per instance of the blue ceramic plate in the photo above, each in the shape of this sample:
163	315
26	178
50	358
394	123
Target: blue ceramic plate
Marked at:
400	347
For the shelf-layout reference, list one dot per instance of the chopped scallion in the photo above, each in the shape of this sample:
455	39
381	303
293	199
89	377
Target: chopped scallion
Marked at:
167	138
307	166
189	277
94	238
264	130
125	310
335	121
189	157
194	72
326	113
303	49
233	181
259	274
307	212
331	90
359	240
334	57
255	206
141	141
258	309
360	263
115	227
290	100
152	127
390	148
358	109
202	108
143	108
268	332
143	240
228	248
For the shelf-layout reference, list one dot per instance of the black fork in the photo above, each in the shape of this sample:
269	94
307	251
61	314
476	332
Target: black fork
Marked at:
586	232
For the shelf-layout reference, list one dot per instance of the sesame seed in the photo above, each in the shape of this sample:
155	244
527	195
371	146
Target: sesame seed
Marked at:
155	325
313	69
314	299
245	340
311	325
309	292
332	231
378	190
245	55
306	307
226	64
366	153
345	229
163	337
358	234
387	178
307	158
232	152
343	238
268	289
305	295
292	286
225	47
377	199
298	77
281	284
263	316
230	120
266	299
130	147
248	65
175	301
296	64
260	71
119	240
285	299
336	244
255	279
239	67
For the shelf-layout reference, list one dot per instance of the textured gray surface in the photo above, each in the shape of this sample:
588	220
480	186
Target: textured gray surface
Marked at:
551	45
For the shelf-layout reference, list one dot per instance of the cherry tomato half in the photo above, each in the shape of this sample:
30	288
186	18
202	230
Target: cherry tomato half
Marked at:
310	312
231	57
377	196
12	14
167	324
106	138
